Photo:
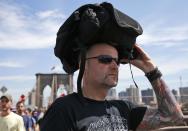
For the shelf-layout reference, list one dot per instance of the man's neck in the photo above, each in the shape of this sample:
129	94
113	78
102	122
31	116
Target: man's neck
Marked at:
5	113
98	93
21	113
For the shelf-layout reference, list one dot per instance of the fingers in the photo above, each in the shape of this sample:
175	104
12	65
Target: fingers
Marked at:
143	60
141	52
141	56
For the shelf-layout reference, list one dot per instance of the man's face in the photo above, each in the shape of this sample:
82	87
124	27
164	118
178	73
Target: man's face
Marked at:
20	107
5	104
102	73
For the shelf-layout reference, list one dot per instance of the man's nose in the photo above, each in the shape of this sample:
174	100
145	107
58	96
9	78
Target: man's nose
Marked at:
114	64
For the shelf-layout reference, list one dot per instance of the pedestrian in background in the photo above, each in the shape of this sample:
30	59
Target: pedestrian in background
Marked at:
29	114
9	121
20	109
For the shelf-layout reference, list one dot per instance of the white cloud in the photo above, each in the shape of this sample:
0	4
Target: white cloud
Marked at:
174	66
27	40
21	29
11	64
184	49
166	65
158	34
11	16
17	78
50	14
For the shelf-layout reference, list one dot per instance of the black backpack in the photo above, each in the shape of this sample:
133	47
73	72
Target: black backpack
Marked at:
95	23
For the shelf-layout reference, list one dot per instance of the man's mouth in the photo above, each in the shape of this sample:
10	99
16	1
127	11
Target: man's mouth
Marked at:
112	74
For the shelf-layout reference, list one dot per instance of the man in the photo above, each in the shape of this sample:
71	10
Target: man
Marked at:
20	108
29	114
96	39
9	121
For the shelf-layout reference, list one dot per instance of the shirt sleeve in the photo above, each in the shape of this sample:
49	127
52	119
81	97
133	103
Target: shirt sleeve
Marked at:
136	115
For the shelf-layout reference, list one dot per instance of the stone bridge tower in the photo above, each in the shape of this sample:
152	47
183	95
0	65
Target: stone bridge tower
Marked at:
54	81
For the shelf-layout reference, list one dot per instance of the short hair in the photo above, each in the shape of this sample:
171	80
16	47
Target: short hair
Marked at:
20	102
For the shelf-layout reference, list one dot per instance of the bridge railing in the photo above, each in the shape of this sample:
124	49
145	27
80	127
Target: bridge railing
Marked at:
176	128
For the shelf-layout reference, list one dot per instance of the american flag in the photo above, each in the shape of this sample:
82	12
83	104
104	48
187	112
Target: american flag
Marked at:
53	68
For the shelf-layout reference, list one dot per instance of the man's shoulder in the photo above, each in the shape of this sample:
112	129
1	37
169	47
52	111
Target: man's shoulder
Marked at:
12	114
125	103
65	101
121	102
67	98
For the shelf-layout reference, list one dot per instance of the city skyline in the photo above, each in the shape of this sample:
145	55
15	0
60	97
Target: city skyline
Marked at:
28	32
135	95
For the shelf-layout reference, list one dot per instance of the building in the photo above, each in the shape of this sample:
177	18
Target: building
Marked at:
133	94
31	98
122	95
147	96
183	94
111	94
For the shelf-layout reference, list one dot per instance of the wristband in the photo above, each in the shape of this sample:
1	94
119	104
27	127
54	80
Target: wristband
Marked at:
153	75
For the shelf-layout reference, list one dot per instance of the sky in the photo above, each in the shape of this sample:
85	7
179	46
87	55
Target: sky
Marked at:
28	32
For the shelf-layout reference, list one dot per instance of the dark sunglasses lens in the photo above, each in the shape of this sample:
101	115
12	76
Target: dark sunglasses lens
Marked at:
105	60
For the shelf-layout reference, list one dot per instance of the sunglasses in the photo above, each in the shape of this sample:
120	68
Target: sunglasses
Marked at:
105	59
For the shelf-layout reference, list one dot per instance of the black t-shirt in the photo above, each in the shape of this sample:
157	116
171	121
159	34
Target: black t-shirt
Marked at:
75	113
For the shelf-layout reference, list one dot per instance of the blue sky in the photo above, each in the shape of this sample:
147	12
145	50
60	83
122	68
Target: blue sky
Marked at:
28	32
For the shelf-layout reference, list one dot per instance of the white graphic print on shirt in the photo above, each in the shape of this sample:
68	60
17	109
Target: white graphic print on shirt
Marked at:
109	123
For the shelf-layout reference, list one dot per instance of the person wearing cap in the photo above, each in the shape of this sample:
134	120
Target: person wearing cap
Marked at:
96	39
9	121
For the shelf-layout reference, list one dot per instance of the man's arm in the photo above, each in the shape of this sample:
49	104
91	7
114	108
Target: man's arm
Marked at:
168	112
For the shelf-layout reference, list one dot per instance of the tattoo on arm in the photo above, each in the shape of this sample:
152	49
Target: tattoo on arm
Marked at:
168	113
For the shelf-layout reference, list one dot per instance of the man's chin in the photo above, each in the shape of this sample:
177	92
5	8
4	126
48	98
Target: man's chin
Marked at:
114	84
3	109
111	82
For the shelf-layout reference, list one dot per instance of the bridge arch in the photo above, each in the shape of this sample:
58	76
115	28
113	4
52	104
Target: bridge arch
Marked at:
54	81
